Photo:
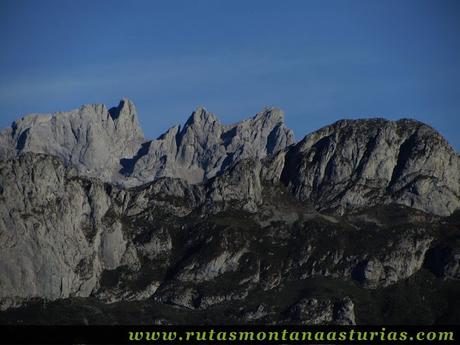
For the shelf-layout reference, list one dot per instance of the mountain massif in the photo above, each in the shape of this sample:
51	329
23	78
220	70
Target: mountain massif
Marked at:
109	144
358	222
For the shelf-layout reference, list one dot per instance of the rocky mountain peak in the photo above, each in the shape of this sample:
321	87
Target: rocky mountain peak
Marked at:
357	163
205	147
125	119
229	212
201	117
344	166
270	115
124	108
109	144
90	138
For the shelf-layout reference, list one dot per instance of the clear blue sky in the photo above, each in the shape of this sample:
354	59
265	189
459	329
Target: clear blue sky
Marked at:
320	61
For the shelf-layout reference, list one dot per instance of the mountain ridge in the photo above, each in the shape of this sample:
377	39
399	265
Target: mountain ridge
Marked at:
228	217
342	166
402	160
169	241
109	143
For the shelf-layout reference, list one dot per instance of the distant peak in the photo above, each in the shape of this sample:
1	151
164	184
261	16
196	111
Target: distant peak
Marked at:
274	112
200	117
270	115
124	117
403	124
125	106
200	109
412	122
370	127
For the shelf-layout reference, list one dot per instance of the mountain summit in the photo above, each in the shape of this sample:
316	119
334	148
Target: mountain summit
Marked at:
109	144
227	223
347	165
92	138
359	163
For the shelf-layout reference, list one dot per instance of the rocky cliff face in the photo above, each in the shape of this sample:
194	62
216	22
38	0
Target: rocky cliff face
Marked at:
230	225
109	144
92	138
356	163
204	148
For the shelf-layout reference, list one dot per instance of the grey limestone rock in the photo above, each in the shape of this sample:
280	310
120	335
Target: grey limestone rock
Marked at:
341	167
210	214
92	138
204	147
312	311
360	163
109	144
54	243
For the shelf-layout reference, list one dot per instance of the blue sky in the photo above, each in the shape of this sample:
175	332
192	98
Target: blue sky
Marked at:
320	61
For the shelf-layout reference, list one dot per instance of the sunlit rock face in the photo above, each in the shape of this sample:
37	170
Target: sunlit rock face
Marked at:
231	223
358	163
109	144
92	138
